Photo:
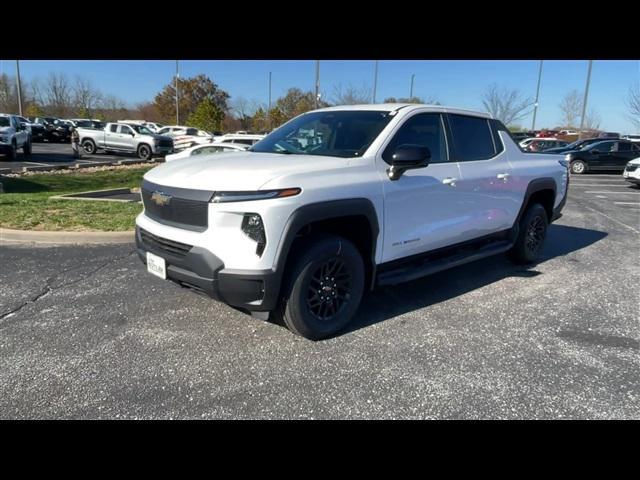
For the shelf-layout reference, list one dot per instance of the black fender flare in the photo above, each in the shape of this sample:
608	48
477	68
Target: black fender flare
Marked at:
315	212
535	185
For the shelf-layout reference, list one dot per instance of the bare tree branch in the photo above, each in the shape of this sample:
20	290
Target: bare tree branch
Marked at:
571	108
506	105
351	95
633	103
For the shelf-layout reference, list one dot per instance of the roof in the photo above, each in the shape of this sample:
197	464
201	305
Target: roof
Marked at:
389	107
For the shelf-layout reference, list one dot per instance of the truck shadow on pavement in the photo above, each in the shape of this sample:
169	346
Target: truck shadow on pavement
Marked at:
388	302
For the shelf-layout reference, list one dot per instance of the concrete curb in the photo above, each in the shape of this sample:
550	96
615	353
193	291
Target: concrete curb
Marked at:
73	238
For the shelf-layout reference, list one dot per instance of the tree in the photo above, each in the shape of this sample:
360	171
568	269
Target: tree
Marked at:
244	110
34	110
8	94
208	116
260	121
592	120
505	104
633	103
294	103
571	108
428	101
57	95
351	95
191	93
85	97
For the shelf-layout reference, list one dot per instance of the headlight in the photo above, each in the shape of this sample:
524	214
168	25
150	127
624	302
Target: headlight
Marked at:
223	197
253	228
567	157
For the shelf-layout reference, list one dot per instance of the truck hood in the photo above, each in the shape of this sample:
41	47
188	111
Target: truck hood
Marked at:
246	171
6	129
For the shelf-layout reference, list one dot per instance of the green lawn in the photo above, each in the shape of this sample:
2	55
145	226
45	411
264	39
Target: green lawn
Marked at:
25	204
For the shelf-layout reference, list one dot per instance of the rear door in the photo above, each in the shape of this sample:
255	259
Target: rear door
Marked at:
486	177
111	136
626	151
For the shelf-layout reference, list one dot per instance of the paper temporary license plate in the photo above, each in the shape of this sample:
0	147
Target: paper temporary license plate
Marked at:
156	265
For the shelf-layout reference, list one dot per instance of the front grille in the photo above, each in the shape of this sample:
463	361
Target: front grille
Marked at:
179	212
165	143
632	167
153	242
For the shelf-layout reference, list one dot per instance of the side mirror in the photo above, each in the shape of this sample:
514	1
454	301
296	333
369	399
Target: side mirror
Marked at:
23	126
407	157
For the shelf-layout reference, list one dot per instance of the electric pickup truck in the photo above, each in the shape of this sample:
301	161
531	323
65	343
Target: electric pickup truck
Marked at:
122	137
382	194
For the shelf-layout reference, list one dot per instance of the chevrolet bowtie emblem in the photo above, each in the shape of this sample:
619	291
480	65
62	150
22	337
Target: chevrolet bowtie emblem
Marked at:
160	198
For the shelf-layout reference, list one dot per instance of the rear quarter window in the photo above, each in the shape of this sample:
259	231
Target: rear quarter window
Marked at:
471	138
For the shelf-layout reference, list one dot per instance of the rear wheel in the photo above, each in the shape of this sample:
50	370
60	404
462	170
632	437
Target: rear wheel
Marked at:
533	231
89	146
324	288
578	167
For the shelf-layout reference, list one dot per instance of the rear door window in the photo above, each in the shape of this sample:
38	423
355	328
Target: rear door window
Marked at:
471	138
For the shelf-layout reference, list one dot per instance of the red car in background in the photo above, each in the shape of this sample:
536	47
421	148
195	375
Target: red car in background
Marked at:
547	133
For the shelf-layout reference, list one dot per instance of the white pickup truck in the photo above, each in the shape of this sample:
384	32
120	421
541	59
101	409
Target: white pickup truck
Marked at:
14	135
121	137
383	194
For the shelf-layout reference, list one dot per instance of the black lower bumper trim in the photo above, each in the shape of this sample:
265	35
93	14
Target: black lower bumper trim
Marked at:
200	270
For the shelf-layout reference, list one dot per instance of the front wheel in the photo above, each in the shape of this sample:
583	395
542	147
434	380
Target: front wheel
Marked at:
144	152
26	148
531	235
578	167
13	152
324	288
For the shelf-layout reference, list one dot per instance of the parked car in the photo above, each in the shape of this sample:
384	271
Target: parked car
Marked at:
385	195
241	138
37	130
632	172
186	137
568	132
525	143
121	137
153	126
206	149
544	144
55	130
603	155
608	135
577	145
547	133
84	123
632	138
13	136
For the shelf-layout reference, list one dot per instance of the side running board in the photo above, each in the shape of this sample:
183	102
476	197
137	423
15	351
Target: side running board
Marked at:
427	267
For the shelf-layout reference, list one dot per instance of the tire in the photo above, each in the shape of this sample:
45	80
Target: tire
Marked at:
578	167
334	257
533	231
26	148
13	153
144	152
89	147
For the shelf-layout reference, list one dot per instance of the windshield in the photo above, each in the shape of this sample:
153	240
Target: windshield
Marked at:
142	130
331	133
4	121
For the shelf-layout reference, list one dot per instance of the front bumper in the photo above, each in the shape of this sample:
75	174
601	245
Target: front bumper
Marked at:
163	150
202	271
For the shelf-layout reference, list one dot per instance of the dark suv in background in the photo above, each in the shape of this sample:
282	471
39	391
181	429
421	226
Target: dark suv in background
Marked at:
602	155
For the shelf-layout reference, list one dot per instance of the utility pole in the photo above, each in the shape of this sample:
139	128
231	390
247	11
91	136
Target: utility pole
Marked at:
317	82
269	108
19	87
586	96
535	105
177	96
375	81
411	91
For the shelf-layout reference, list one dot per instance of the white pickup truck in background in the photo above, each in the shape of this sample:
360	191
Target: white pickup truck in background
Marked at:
14	135
122	137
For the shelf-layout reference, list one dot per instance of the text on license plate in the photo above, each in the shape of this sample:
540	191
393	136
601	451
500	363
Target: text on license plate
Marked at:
156	265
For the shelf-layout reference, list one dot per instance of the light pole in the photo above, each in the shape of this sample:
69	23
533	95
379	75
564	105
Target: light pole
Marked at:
269	108
535	105
19	87
584	101
375	81
317	82
177	96
411	90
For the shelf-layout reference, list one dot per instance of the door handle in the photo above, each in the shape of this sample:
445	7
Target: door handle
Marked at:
450	181
503	176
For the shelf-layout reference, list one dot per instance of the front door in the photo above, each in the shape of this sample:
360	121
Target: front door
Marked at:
422	210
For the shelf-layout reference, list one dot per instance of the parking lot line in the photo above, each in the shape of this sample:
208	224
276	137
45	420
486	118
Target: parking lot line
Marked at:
612	219
38	164
613	193
598	185
627	203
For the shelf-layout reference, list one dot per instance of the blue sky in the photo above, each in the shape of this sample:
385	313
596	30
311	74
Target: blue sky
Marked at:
458	83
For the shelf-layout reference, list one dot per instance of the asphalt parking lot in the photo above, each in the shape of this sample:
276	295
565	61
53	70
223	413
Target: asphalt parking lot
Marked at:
85	332
55	154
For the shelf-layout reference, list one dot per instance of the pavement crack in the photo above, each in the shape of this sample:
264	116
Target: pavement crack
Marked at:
48	287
